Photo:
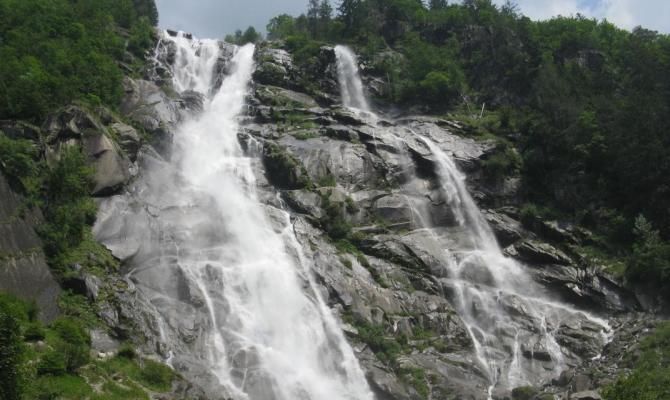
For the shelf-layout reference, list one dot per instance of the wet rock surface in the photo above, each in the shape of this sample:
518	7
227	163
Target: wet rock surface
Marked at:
309	154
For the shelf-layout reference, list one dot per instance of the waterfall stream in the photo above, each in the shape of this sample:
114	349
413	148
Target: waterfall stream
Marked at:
222	270
511	319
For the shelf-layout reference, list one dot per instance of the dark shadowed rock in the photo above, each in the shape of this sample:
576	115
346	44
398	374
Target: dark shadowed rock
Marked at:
23	268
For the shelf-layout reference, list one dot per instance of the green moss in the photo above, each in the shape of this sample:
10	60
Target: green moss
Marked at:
523	393
304	135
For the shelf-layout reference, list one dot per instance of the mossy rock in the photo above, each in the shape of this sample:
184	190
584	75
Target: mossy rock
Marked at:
284	170
524	393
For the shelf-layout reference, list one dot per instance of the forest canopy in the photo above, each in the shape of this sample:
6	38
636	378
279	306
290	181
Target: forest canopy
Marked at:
57	51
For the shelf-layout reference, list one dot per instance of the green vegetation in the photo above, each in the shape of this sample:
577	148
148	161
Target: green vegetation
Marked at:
650	377
250	35
284	170
650	260
57	51
67	207
524	393
11	348
60	366
333	220
327	181
577	106
416	377
17	162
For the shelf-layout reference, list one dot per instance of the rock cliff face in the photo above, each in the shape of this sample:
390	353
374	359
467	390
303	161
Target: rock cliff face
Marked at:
24	271
353	205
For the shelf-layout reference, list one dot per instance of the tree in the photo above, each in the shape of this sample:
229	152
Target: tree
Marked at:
437	4
281	27
11	353
147	8
350	12
325	11
313	16
250	35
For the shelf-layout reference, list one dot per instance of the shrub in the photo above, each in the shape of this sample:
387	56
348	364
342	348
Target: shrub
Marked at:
11	350
127	351
34	332
327	181
52	363
17	162
650	379
141	37
650	261
506	160
75	343
68	209
529	215
156	375
283	169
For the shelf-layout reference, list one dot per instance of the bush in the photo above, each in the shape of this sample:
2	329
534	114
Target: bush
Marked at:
127	351
68	209
74	344
52	363
11	350
34	332
506	160
17	162
283	169
650	261
529	215
333	220
650	379
156	375
141	37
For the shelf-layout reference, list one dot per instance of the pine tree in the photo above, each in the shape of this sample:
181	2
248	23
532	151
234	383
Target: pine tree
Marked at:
438	4
313	16
349	12
325	11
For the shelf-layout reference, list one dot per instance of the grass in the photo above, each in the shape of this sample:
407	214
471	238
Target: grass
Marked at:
327	181
416	377
90	255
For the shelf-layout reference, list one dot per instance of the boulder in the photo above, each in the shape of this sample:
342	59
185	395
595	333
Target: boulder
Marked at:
71	122
586	395
112	169
128	139
506	229
535	252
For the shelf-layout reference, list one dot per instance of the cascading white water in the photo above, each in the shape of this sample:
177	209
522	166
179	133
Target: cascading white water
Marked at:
504	310
352	92
263	323
229	284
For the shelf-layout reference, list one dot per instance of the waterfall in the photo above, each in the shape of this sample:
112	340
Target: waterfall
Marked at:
352	92
223	271
505	311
